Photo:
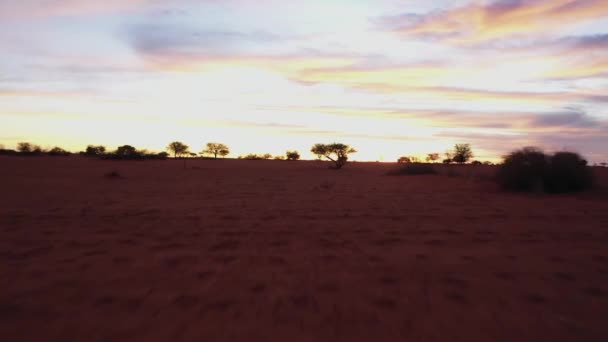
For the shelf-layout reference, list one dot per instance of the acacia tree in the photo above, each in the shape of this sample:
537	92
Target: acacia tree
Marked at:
216	149
462	153
341	152
178	148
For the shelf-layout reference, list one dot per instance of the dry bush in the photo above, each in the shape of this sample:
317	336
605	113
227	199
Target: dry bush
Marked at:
530	169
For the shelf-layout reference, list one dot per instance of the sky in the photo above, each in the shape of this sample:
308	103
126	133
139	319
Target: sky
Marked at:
390	78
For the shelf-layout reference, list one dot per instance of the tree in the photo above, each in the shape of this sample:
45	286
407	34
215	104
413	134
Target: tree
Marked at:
432	157
25	147
58	151
178	148
341	152
267	156
292	155
127	152
462	153
404	160
224	152
95	150
216	149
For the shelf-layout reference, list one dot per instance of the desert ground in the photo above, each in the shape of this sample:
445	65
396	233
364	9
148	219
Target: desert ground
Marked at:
234	250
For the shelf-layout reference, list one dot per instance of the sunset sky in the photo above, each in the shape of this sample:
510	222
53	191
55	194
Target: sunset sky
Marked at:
390	78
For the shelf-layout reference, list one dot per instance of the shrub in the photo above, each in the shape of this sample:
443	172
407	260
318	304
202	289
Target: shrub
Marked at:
58	151
530	169
414	169
568	172
523	170
95	151
292	155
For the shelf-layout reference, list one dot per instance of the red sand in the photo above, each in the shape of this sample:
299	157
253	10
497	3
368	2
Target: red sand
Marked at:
291	251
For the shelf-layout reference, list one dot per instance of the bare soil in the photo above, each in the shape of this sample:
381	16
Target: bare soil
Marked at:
227	250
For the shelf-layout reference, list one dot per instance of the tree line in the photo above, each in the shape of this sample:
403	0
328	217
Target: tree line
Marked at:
337	153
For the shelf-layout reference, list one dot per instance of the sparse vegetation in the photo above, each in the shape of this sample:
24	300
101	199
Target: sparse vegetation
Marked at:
336	152
128	152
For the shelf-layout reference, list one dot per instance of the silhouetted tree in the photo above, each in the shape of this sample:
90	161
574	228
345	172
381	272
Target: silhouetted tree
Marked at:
95	150
267	156
447	161
462	153
127	152
341	152
604	164
292	155
476	162
24	147
178	148
216	149
432	157
58	151
28	148
279	157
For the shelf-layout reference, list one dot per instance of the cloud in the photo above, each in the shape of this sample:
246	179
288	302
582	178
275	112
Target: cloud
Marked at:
21	9
171	39
479	22
569	119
